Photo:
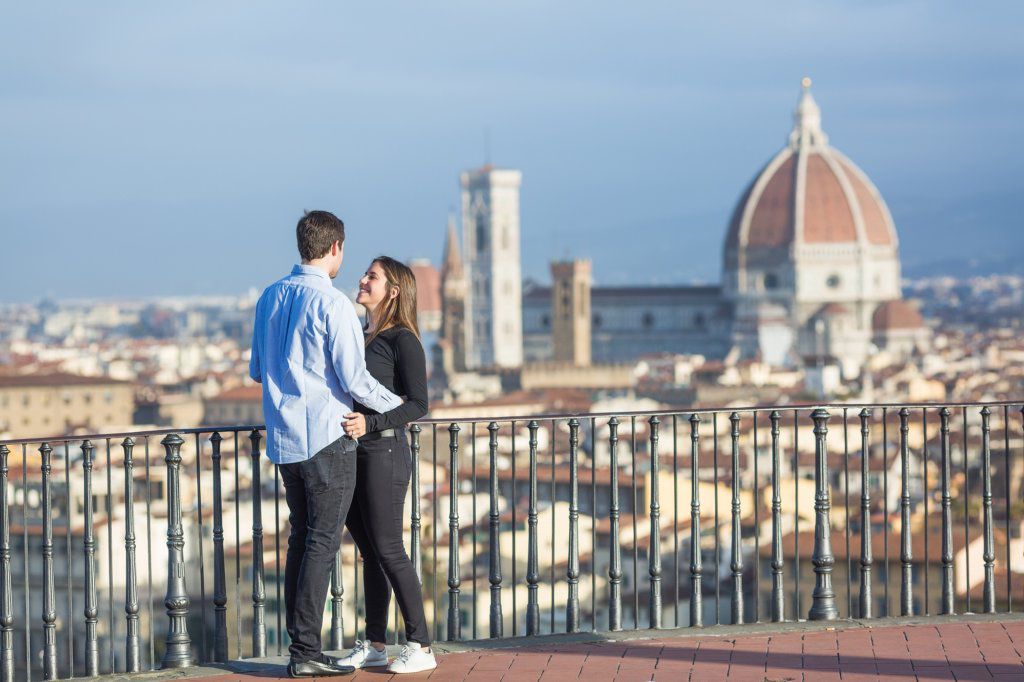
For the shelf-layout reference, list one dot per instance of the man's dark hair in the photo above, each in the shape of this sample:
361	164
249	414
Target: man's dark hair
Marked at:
316	231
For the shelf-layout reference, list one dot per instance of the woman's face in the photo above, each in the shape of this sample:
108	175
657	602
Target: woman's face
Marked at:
373	287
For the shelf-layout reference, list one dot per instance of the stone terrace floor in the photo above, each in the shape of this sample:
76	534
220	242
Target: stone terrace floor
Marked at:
964	648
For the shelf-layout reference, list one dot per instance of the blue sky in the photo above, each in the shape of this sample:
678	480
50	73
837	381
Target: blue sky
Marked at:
150	150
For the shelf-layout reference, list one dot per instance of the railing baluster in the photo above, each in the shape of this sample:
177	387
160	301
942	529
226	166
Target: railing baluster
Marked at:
178	652
415	520
337	602
927	494
675	516
1006	481
696	564
6	598
654	549
634	501
278	573
989	556
131	600
865	514
614	549
512	508
947	517
572	574
204	649
49	598
885	507
737	557
220	595
472	441
717	529
494	549
823	599
778	598
532	570
92	651
906	550
69	559
259	593
967	508
846	511
757	527
454	617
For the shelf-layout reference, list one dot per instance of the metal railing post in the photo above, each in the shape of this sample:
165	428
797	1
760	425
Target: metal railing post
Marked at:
778	598
614	550
92	651
947	518
532	566
220	595
572	605
737	549
989	555
654	546
6	598
906	549
865	515
454	619
823	599
259	592
131	599
696	561
49	599
494	548
178	653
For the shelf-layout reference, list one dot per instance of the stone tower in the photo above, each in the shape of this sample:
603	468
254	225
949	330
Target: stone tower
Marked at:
570	308
490	227
454	288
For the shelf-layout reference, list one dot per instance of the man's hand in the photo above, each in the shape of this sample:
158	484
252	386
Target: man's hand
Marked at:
354	424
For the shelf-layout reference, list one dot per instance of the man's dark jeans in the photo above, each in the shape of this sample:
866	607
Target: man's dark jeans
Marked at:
319	493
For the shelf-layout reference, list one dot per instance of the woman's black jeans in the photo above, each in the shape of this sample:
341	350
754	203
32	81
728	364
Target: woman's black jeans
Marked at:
375	521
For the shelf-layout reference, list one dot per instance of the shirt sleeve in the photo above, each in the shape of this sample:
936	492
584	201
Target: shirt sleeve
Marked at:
255	365
411	371
345	339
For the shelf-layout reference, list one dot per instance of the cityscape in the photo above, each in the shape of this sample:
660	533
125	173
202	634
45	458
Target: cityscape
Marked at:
721	312
812	310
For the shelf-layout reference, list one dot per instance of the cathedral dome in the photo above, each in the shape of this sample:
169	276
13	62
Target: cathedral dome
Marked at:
809	193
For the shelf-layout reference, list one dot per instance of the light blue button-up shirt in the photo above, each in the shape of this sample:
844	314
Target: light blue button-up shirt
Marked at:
308	352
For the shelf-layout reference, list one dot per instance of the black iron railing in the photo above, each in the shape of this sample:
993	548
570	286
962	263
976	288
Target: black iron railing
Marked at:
598	517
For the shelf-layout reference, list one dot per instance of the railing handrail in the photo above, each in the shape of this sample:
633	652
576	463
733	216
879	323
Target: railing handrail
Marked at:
539	417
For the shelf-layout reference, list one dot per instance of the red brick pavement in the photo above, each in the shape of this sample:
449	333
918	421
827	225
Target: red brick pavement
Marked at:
948	651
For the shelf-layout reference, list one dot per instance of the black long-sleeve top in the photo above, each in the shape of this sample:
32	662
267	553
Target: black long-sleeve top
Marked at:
396	359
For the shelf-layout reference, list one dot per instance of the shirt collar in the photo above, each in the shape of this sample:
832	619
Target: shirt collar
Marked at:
301	269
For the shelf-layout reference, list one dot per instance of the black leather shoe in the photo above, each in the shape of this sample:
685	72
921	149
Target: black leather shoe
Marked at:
319	667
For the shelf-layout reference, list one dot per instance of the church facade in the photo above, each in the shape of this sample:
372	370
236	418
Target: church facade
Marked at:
810	274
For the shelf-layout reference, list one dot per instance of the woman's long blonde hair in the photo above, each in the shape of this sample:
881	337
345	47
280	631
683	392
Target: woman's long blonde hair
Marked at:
399	311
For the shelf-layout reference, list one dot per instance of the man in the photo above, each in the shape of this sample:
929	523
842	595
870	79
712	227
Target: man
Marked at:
307	351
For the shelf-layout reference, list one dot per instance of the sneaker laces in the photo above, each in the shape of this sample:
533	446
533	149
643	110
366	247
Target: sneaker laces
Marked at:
362	647
406	653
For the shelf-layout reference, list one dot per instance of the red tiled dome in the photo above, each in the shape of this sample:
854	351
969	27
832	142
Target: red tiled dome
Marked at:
896	315
811	194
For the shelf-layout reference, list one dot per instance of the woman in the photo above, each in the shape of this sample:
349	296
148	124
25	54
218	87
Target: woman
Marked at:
394	356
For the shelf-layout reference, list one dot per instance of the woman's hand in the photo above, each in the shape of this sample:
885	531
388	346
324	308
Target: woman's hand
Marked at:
354	424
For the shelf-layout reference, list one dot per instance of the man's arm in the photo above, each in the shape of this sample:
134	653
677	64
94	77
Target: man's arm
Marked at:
255	366
345	338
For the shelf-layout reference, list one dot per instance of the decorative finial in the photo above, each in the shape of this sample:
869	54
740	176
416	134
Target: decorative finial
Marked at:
805	83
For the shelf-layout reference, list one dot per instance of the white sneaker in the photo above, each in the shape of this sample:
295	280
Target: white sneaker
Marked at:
364	655
413	659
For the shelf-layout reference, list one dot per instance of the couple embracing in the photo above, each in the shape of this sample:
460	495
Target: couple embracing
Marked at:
336	428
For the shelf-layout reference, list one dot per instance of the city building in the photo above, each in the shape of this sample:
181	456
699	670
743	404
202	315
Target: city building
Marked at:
490	233
57	404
